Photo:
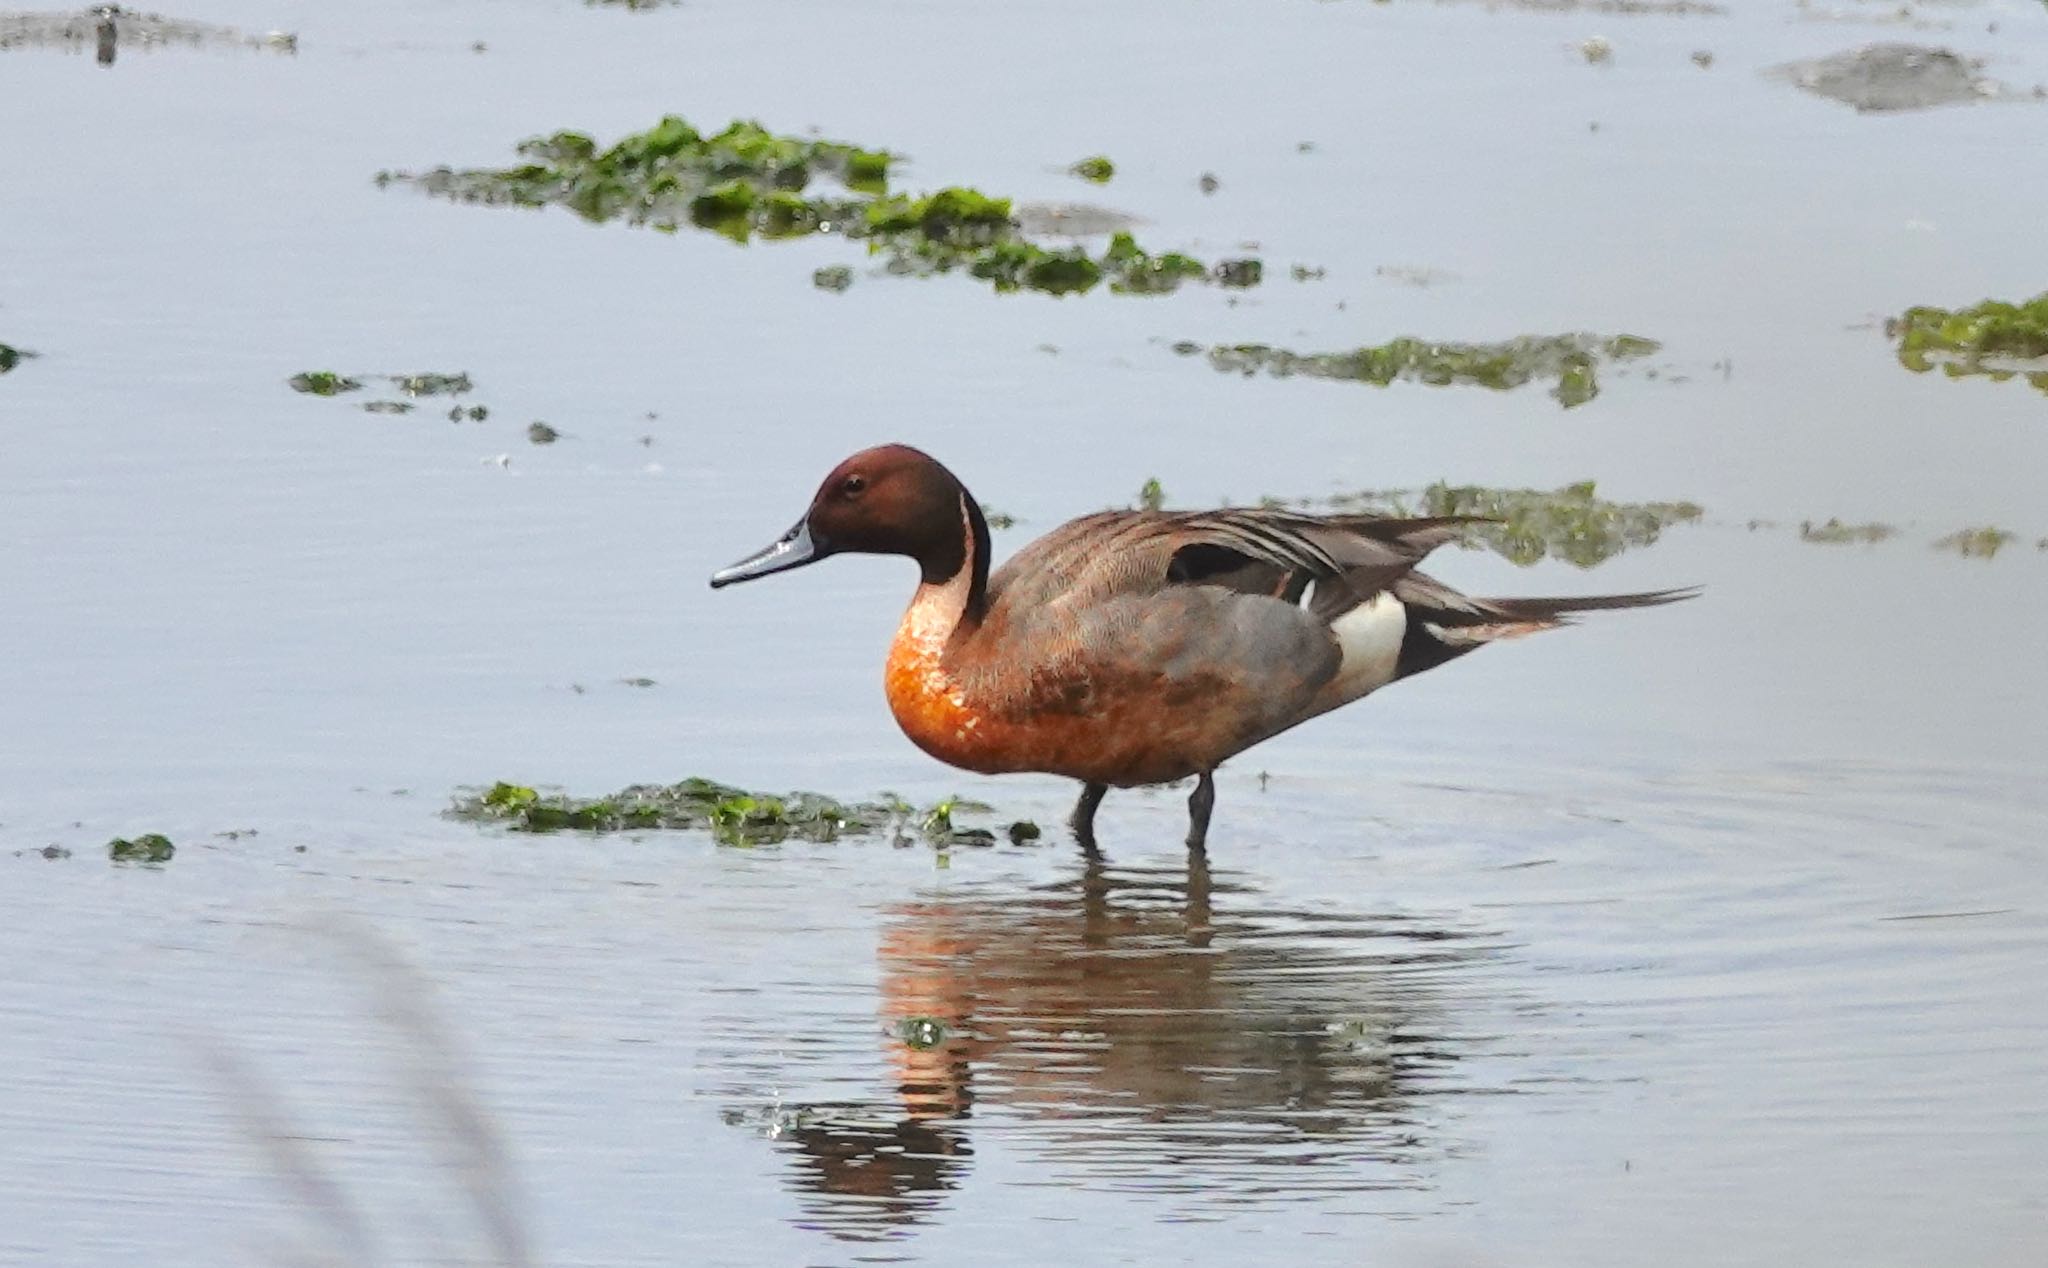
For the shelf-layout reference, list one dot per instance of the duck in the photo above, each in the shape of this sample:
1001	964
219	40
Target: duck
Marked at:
1138	647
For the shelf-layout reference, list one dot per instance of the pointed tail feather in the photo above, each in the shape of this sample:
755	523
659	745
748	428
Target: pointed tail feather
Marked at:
1454	625
1549	611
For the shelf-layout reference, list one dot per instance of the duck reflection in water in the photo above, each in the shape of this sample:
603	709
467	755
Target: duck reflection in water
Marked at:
1147	1031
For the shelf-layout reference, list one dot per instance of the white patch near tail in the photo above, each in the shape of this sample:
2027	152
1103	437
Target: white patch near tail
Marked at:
1473	635
1369	636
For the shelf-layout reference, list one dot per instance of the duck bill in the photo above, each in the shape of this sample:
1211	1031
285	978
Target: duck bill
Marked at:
793	549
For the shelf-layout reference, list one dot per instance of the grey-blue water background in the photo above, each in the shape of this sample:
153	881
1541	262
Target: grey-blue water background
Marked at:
1634	943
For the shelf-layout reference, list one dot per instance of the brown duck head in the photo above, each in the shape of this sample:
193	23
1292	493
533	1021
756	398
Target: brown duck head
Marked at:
889	500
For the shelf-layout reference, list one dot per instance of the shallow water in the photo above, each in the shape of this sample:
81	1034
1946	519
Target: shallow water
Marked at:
1711	934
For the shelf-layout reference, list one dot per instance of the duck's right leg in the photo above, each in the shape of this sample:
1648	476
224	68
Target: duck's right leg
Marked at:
1201	803
1082	821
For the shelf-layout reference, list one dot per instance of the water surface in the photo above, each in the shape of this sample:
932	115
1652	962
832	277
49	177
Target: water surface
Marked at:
1710	934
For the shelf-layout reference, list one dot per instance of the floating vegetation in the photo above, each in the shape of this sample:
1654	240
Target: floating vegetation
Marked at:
953	216
323	383
1569	359
997	519
11	356
1611	8
328	383
541	434
1970	543
1975	543
1572	523
733	815
921	1033
150	848
1136	272
109	28
1409	275
1239	274
747	182
833	277
1152	495
1836	533
433	384
1993	338
669	175
1096	169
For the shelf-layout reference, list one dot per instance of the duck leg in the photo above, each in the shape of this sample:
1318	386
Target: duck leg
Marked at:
1200	803
1082	821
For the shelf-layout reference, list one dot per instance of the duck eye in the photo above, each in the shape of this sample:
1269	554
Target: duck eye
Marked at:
854	485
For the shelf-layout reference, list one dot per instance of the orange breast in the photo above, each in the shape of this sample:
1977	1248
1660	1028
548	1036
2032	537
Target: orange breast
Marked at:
934	711
1127	735
1104	719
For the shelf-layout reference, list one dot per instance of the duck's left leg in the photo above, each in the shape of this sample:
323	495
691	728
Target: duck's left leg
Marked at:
1082	821
1200	803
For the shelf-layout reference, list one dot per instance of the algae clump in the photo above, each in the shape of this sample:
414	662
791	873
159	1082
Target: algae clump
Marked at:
1572	360
735	816
323	383
1993	338
1240	274
150	847
1136	272
1095	169
746	183
433	384
1836	533
1975	543
1572	523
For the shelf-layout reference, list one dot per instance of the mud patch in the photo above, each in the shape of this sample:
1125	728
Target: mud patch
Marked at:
109	30
1880	78
1071	220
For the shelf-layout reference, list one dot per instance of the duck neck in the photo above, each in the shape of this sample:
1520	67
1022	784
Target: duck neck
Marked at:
952	596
